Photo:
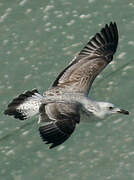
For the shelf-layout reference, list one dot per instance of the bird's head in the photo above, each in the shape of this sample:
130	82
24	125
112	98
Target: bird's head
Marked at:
105	108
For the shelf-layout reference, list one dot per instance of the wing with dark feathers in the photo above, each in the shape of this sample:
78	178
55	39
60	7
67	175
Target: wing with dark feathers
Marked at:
61	120
79	75
55	133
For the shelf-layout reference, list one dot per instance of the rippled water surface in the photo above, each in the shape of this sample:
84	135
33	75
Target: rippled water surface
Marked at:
38	39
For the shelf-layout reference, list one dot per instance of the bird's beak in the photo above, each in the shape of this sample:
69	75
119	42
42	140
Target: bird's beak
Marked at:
122	111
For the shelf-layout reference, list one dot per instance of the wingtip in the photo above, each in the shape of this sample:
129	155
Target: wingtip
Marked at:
103	43
112	22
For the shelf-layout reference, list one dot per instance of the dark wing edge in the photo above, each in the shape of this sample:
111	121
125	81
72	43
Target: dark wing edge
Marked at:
103	44
55	133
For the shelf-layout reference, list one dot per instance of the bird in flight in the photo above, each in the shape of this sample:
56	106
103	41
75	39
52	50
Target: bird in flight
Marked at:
59	108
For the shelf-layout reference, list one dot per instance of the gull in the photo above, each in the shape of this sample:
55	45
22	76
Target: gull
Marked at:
60	107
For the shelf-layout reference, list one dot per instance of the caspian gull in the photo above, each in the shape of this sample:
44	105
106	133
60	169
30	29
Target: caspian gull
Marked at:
59	107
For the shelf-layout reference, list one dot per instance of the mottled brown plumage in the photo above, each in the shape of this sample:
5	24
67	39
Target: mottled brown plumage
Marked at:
77	77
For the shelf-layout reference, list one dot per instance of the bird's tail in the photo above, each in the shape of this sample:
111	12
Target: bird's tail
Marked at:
25	105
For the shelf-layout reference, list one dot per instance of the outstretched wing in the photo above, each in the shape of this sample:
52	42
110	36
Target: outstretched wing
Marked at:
79	75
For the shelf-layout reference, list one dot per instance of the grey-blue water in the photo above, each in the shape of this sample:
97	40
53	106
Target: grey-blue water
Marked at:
37	40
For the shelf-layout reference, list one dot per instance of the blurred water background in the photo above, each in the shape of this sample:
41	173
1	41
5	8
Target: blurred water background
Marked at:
38	39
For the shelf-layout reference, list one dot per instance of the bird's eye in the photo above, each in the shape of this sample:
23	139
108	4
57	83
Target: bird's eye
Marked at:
111	107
